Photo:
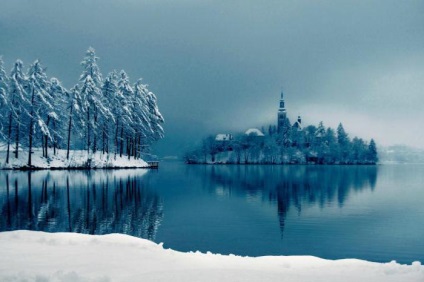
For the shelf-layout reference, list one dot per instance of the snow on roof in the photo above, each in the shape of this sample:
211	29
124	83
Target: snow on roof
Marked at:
297	125
254	131
223	137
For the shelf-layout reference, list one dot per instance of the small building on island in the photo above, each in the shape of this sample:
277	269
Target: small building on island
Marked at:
254	132
222	137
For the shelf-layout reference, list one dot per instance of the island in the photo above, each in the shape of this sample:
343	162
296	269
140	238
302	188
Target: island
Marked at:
285	143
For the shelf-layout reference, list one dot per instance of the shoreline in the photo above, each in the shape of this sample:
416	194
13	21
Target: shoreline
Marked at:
77	160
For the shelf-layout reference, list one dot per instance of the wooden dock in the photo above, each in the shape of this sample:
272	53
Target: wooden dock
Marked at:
153	164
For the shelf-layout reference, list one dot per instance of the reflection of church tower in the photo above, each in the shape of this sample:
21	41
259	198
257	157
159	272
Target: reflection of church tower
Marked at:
281	113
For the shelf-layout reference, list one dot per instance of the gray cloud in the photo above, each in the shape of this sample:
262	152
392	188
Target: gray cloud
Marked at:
220	65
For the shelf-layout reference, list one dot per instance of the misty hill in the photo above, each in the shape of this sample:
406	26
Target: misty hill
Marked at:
401	154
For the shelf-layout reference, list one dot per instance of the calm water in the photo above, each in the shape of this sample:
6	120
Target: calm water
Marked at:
374	213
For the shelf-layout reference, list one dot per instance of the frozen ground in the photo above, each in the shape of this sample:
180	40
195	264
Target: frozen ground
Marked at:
38	256
77	159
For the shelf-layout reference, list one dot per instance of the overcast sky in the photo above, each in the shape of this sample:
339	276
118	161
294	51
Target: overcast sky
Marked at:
219	66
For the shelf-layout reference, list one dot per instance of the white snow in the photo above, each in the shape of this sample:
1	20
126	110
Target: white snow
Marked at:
38	256
223	137
254	131
77	159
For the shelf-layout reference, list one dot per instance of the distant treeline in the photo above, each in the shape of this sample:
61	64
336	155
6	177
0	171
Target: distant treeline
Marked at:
109	114
289	145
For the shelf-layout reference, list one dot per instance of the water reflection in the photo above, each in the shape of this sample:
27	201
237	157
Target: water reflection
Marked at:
93	202
288	186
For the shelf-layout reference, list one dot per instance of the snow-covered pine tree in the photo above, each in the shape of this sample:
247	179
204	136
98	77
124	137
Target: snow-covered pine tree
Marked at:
73	104
4	98
115	99
319	144
40	104
56	116
156	118
144	129
343	142
283	137
91	69
372	152
18	104
111	96
126	117
92	99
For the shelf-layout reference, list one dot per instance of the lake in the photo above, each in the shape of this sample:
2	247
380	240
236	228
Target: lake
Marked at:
366	212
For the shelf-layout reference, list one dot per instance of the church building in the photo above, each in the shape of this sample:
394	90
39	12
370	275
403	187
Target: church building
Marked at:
282	116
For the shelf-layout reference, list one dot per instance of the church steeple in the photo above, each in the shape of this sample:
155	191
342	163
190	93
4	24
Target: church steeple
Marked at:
282	115
282	102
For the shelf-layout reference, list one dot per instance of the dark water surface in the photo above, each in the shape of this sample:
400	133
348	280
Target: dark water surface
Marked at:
367	212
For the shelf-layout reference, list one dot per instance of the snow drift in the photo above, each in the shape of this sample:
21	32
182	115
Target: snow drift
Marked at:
77	159
38	256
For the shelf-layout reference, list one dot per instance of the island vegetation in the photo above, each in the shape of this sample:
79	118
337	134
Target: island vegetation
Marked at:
42	121
289	145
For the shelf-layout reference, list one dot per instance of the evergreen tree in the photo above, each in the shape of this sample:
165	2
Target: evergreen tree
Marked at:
4	98
75	116
283	138
343	143
126	117
92	98
40	104
372	152
358	151
342	137
110	94
57	114
319	145
156	118
18	103
141	109
330	141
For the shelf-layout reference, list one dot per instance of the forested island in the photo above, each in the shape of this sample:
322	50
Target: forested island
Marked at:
311	145
285	143
100	122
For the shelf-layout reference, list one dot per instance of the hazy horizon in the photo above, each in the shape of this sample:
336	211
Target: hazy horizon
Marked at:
219	66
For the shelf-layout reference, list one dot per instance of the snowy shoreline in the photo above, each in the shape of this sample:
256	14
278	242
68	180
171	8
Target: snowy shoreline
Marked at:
78	160
39	256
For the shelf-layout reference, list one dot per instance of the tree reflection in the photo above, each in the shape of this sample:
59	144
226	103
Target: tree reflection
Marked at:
289	187
92	202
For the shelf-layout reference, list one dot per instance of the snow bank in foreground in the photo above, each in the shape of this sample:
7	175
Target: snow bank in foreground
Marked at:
77	159
38	256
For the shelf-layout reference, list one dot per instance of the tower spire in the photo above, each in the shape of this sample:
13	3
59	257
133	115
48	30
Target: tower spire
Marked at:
282	115
282	107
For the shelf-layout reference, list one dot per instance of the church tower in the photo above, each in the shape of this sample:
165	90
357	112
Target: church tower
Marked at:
282	115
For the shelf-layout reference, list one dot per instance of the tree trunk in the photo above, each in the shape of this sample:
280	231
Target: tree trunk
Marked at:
95	130
54	138
122	142
17	139
116	138
128	147
69	132
31	125
134	146
46	141
129	141
9	133
88	132
103	140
